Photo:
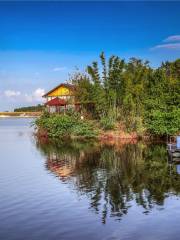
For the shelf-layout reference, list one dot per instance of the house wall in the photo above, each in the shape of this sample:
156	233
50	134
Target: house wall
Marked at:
61	91
59	109
51	109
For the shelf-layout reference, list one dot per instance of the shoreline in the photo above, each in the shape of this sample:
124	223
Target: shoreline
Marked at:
56	127
103	137
4	115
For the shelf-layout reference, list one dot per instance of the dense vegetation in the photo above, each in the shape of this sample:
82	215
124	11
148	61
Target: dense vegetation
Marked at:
38	108
64	126
131	93
124	96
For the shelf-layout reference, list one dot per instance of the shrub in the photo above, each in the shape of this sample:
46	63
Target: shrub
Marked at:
84	129
73	113
63	126
164	123
107	123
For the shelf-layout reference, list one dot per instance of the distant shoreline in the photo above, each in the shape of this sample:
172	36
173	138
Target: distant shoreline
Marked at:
4	117
19	114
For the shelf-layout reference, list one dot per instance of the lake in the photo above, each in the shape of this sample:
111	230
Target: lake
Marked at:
85	190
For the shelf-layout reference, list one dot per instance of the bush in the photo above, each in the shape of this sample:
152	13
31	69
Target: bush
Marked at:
107	123
164	123
134	124
84	129
64	126
73	113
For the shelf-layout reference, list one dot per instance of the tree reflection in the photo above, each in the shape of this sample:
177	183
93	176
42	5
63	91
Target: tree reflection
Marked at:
113	176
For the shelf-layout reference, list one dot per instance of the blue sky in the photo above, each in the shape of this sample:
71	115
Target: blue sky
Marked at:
42	42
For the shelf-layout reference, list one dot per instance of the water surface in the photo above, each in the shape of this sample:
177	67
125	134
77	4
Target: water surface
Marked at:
85	190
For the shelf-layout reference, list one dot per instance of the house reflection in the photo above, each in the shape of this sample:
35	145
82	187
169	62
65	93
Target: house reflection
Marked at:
60	167
114	176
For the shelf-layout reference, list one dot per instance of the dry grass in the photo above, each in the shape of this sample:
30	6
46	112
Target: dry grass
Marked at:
17	114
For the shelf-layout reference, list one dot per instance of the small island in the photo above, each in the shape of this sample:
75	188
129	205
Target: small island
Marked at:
117	99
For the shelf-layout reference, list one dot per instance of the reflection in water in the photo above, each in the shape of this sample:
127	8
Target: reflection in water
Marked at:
113	177
178	168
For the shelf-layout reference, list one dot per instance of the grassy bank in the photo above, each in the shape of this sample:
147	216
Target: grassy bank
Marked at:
57	126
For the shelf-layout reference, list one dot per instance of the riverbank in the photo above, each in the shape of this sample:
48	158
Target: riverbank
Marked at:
19	114
72	127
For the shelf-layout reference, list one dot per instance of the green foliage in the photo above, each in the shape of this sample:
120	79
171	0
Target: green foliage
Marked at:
107	123
132	93
84	129
73	113
164	123
65	126
140	97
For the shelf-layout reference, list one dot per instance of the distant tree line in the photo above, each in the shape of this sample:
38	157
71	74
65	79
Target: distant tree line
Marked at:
38	108
132	93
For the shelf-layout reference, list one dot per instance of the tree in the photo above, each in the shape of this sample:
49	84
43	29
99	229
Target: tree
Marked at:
133	93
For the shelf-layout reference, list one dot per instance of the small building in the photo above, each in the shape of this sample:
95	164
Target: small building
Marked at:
61	98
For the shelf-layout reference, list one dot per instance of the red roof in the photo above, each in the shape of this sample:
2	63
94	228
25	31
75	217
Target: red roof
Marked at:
56	102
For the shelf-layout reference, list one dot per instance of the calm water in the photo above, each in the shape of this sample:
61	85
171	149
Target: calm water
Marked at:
85	190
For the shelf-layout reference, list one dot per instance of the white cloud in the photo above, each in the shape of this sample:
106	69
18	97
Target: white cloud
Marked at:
173	46
38	93
58	69
172	38
36	96
12	93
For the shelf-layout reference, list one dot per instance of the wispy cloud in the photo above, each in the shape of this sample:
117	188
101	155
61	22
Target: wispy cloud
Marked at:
12	93
59	69
173	38
174	46
170	43
34	97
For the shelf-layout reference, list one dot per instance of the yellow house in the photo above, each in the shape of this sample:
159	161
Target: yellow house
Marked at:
61	98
